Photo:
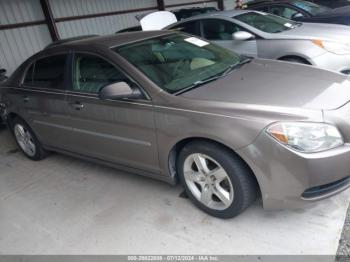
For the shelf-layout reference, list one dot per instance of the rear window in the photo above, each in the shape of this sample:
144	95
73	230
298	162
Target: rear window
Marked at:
47	72
313	9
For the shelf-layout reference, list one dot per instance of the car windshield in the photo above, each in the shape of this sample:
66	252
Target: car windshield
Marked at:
179	62
266	22
311	8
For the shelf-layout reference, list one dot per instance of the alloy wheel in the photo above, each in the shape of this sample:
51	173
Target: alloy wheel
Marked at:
25	140
208	181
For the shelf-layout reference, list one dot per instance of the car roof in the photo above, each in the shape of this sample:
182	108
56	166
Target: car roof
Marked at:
262	2
229	13
109	41
70	39
195	8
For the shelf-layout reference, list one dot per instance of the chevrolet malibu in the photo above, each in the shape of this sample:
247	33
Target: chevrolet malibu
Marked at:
172	106
268	36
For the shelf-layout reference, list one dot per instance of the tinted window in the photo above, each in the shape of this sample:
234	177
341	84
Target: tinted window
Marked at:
215	29
91	73
262	9
311	8
28	79
47	72
284	11
190	28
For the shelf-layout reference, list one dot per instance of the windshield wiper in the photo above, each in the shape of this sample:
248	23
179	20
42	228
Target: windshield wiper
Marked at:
232	67
197	84
244	61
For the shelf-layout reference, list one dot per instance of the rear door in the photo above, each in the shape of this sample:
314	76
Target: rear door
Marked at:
43	99
116	131
220	32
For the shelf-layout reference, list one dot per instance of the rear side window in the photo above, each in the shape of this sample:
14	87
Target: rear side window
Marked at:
47	72
215	29
28	79
262	9
190	28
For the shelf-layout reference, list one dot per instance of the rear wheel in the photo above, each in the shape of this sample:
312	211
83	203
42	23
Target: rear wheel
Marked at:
216	179
27	141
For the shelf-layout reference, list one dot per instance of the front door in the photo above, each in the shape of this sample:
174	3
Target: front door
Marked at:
117	131
220	32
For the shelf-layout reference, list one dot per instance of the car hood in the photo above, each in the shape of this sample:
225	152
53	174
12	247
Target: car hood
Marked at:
275	83
320	31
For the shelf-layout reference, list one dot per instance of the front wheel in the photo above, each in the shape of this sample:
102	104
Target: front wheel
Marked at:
215	179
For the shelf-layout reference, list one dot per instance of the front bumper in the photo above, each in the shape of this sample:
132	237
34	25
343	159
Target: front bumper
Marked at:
333	62
290	179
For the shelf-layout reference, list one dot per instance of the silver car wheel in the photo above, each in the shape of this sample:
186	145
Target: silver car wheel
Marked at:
25	140
208	181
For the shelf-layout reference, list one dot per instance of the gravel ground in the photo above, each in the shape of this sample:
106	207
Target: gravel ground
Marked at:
343	253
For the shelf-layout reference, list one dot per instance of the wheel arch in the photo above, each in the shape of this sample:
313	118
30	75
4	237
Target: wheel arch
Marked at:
298	57
10	117
176	148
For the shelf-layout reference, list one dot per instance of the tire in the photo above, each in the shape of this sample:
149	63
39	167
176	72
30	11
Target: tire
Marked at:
231	191
295	60
26	140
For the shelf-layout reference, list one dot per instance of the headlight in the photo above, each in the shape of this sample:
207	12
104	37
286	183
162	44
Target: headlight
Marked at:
306	137
333	47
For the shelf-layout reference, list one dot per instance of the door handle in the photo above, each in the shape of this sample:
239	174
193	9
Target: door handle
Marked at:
25	99
77	105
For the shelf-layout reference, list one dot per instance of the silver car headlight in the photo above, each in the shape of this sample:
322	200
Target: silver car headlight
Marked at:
306	137
333	47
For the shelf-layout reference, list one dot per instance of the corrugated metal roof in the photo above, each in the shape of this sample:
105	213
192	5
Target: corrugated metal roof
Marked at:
18	44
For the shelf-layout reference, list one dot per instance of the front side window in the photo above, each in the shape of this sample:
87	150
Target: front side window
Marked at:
283	11
91	73
311	8
266	22
216	29
176	62
47	72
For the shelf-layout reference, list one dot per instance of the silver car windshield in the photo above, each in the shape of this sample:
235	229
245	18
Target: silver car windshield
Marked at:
179	62
311	8
266	22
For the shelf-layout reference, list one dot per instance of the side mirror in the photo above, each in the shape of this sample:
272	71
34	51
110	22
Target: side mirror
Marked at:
119	90
297	15
242	36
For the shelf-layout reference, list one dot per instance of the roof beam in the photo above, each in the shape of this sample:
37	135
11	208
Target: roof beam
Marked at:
221	5
50	21
161	5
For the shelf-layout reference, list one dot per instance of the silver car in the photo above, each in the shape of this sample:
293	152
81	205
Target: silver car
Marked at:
175	107
264	35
